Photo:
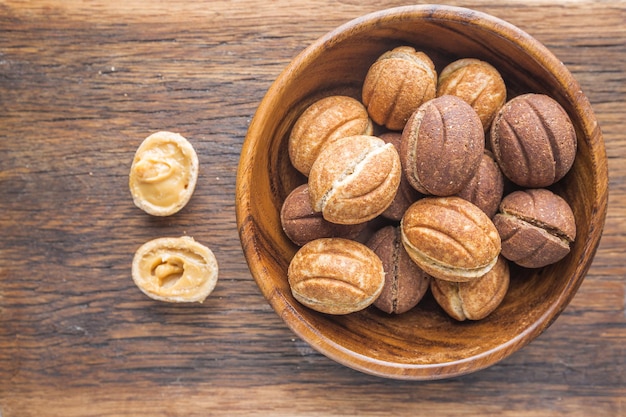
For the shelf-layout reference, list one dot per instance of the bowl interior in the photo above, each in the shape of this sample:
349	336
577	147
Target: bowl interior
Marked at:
423	343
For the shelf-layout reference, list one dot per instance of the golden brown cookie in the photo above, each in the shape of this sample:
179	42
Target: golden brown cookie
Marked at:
354	179
397	84
450	238
323	122
336	276
478	83
476	299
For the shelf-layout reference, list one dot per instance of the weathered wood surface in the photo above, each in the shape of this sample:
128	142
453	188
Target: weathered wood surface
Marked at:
81	85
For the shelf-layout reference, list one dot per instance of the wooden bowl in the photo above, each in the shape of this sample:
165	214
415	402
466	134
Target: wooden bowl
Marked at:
424	343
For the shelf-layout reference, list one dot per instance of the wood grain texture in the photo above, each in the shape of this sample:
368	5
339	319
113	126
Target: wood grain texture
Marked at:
83	83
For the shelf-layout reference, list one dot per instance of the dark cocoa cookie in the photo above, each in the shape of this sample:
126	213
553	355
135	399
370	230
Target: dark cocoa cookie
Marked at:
302	224
405	282
442	145
536	227
486	187
406	194
533	140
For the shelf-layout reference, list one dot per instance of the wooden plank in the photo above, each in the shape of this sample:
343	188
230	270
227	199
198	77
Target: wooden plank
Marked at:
81	85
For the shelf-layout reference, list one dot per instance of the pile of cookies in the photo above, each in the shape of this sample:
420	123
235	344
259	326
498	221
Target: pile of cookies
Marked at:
405	189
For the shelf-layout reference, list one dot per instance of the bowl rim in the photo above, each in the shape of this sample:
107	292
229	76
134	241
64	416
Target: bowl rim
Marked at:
296	322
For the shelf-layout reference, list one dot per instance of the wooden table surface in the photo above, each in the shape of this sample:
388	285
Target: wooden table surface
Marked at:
82	83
